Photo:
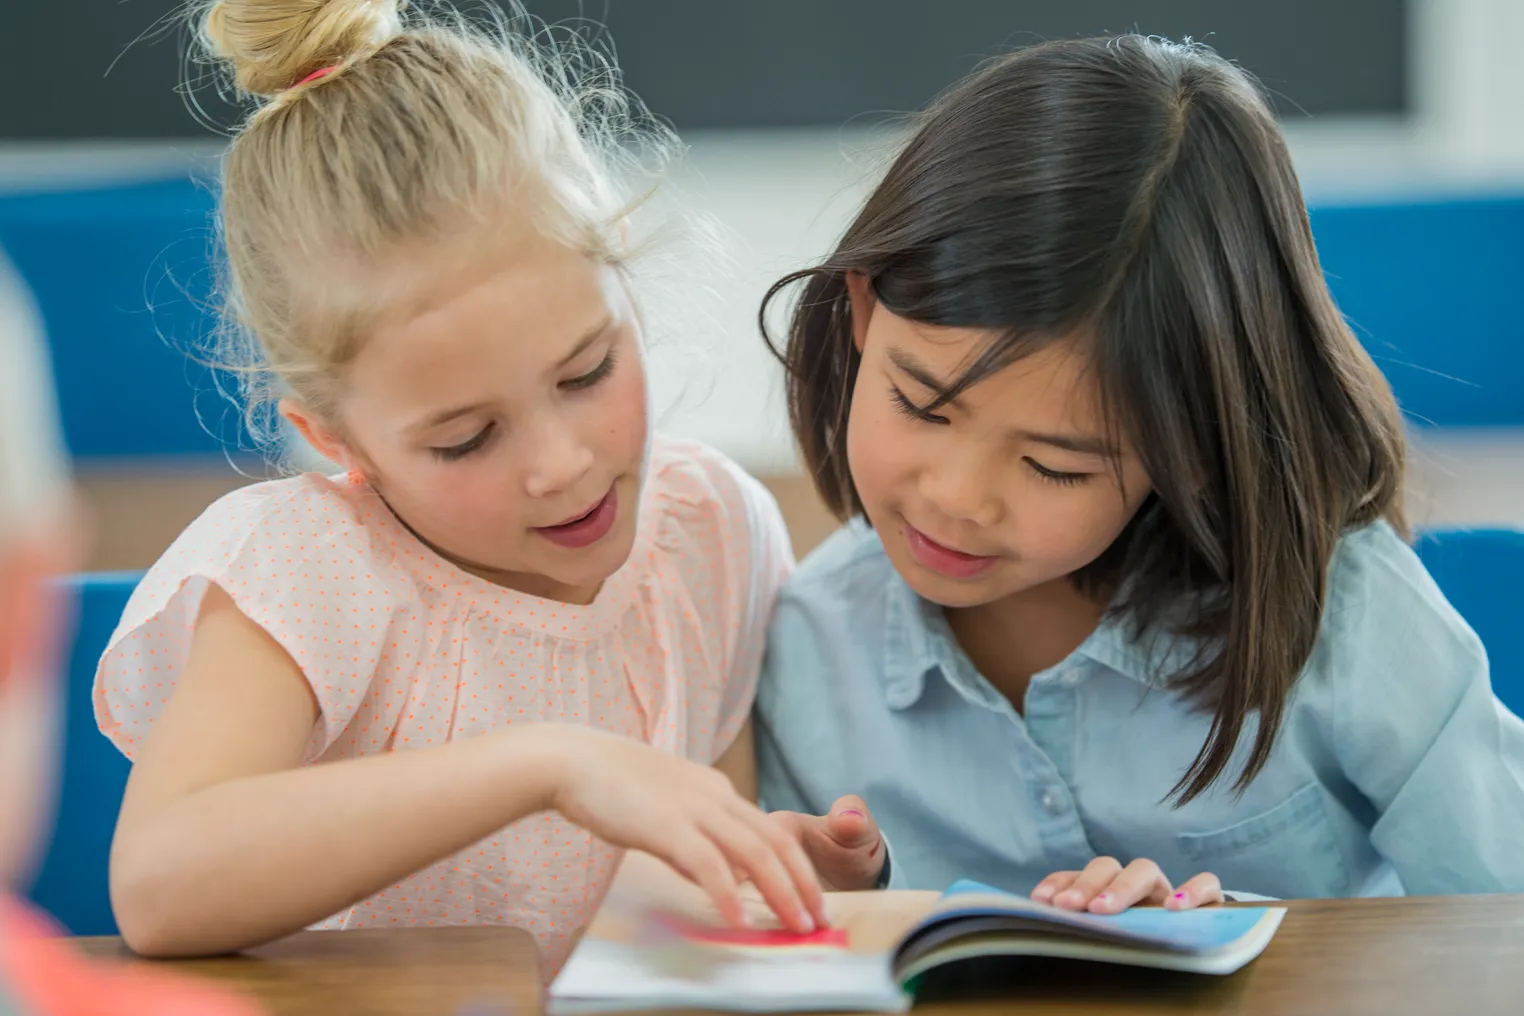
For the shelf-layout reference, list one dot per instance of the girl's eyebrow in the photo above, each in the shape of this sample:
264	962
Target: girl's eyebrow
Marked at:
1083	444
918	372
592	336
445	416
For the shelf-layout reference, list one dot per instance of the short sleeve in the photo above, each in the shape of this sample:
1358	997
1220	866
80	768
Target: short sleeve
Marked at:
1417	727
739	565
296	560
770	561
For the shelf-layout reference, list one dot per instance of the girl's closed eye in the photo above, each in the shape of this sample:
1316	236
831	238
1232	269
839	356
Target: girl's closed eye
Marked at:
454	453
592	378
912	411
1057	476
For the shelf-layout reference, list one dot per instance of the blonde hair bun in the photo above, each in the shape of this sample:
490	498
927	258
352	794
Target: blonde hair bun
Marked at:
274	44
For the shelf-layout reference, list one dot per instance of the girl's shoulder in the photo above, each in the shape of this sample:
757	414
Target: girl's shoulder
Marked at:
704	511
312	560
695	481
1375	571
714	554
336	524
1386	624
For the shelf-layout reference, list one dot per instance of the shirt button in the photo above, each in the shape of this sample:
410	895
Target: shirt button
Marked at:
1052	803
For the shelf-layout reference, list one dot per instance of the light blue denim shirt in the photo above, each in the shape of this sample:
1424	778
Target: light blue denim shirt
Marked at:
1397	769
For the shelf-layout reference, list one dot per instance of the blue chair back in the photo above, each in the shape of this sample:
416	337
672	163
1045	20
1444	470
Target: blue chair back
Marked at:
1430	287
1479	571
124	279
72	882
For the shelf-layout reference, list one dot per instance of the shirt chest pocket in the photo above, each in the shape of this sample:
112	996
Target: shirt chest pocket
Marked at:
1290	851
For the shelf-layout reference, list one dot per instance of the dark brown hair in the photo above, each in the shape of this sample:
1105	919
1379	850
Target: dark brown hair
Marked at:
1137	192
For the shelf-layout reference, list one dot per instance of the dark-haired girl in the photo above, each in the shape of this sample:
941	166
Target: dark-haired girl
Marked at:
1124	596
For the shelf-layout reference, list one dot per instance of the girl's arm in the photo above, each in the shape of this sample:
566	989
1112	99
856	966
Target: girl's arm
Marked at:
225	842
1443	762
1416	727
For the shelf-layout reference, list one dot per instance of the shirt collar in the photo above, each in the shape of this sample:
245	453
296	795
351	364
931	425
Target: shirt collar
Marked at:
1151	658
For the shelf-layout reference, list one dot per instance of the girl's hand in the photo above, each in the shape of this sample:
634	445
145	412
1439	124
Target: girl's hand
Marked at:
1105	887
686	814
845	845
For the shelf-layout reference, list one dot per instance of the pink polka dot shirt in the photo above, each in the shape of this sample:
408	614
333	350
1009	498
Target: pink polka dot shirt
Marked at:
403	651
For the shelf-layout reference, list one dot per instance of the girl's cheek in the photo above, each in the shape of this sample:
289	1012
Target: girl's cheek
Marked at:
624	416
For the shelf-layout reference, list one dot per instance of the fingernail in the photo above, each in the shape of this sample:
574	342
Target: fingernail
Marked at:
1103	898
1068	896
1180	896
806	921
852	811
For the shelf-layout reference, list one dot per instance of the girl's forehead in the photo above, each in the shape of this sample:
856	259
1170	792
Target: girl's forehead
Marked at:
1053	373
511	325
540	298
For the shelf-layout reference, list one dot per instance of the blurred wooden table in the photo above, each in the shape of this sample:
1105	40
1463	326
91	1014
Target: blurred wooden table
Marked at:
1461	955
408	972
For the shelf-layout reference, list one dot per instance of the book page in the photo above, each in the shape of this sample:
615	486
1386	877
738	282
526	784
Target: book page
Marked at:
875	921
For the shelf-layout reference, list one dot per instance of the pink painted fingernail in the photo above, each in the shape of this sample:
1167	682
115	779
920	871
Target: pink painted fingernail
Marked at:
853	811
1103	898
1180	896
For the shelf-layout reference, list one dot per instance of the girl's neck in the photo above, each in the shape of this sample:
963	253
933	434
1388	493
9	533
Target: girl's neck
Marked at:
521	582
1011	639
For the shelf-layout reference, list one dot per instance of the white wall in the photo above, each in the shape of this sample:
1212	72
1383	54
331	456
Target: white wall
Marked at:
781	198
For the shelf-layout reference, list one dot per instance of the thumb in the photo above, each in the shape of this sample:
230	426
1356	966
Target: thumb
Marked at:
850	825
851	832
846	846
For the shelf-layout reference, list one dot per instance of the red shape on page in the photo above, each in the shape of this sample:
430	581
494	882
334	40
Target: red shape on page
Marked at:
753	937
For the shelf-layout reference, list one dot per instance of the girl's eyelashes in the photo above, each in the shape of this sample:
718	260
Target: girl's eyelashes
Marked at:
593	377
1055	476
454	453
912	411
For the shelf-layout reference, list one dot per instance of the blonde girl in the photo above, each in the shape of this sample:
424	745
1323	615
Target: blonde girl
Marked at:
516	633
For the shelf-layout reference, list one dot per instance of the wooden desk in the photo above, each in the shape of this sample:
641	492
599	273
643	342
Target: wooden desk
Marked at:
1460	955
411	972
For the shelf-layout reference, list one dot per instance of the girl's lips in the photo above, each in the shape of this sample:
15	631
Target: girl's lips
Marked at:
945	560
588	528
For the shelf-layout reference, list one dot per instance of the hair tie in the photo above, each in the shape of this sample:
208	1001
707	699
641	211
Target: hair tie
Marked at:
321	72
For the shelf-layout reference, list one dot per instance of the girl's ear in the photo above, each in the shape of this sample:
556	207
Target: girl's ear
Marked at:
318	434
860	295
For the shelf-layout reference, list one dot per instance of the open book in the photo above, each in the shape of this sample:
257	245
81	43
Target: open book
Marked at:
660	960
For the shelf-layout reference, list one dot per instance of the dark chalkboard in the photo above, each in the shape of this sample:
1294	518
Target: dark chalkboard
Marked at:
113	68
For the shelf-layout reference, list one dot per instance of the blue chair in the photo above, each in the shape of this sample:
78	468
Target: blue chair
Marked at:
72	883
124	279
1479	571
1430	286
